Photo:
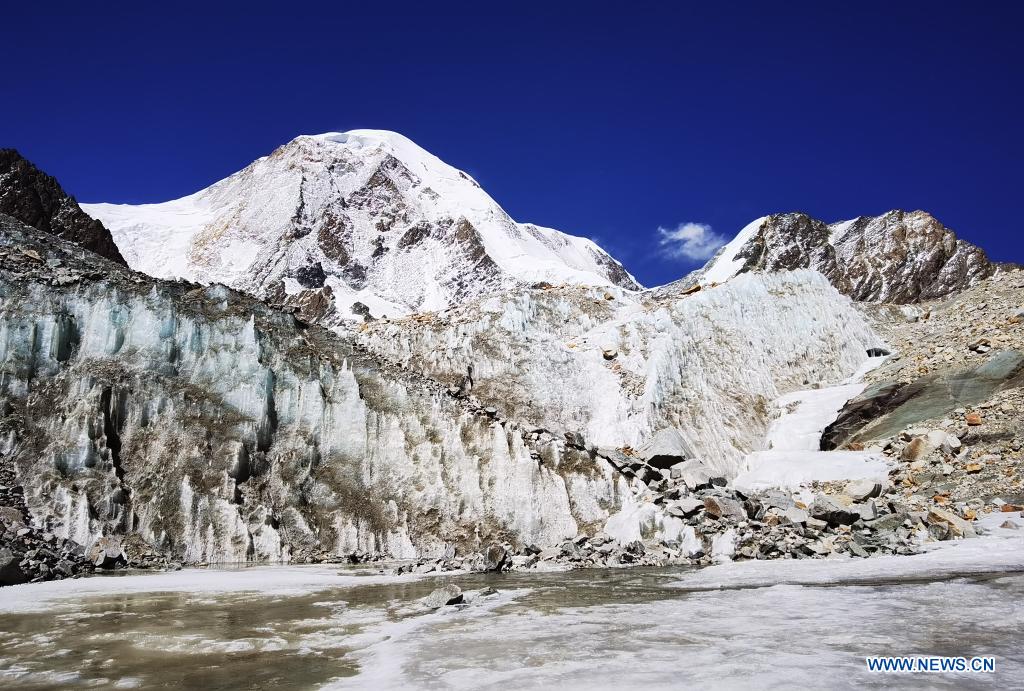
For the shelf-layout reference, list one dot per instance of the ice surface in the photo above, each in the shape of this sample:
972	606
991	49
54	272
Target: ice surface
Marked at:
790	457
266	580
708	364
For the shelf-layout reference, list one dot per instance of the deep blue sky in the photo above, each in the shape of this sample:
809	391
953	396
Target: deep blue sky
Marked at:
606	120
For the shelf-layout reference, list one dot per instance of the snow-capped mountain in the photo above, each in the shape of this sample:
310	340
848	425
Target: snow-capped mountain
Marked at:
897	257
367	213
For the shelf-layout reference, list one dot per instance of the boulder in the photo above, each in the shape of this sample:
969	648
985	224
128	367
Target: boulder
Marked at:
694	474
917	449
824	509
496	558
950	444
11	516
106	553
665	449
777	499
723	507
888	522
925	442
10	571
449	594
619	459
859	490
868	511
957	526
796	515
685	507
857	551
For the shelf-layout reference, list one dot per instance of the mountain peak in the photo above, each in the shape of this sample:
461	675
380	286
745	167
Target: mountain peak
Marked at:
368	217
899	256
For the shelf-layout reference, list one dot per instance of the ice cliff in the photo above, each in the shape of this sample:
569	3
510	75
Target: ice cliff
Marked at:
617	366
220	430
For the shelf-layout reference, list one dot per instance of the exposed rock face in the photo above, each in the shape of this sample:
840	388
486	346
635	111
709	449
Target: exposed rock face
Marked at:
937	367
898	257
216	429
367	213
36	199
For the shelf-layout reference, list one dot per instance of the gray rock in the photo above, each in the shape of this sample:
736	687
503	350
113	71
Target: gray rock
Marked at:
11	517
723	507
857	550
665	449
106	553
816	524
496	558
859	490
449	594
694	474
796	515
957	526
824	509
888	522
685	507
777	499
619	459
868	511
10	571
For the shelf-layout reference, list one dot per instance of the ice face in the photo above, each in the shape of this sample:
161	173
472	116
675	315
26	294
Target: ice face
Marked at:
222	431
617	370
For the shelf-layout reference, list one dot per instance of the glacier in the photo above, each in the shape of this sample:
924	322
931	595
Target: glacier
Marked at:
218	429
708	364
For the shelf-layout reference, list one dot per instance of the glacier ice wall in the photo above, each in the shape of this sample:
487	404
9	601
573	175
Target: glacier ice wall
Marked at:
616	366
220	430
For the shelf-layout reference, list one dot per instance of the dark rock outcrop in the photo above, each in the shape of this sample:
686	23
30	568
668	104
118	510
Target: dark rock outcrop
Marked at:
885	409
37	199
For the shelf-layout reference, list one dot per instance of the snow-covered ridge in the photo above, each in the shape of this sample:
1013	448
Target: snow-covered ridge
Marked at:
368	213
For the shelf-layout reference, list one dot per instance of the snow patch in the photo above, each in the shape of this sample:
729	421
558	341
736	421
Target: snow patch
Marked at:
727	264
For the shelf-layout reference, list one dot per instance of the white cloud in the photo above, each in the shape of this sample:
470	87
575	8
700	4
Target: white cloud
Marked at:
693	241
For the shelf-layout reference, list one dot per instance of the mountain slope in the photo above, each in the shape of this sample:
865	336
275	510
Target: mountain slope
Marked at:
36	199
898	257
367	213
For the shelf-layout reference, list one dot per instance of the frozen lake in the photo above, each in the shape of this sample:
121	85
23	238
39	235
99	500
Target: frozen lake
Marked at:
749	625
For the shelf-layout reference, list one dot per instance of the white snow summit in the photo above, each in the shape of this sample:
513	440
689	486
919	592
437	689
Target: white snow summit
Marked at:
367	213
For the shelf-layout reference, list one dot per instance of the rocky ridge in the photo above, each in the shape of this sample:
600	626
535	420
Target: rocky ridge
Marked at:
37	199
899	257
